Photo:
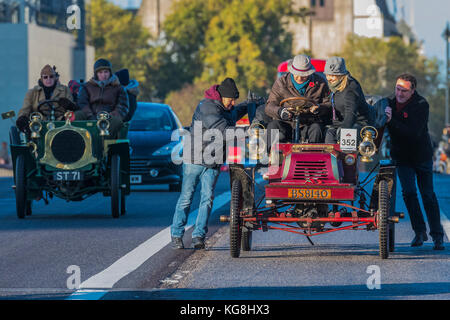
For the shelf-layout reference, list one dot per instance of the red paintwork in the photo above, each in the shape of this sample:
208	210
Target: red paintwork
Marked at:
310	169
318	64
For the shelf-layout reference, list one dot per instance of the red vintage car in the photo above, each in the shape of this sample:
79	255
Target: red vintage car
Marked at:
313	189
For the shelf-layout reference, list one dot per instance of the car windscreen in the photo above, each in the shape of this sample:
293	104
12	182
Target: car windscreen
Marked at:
146	119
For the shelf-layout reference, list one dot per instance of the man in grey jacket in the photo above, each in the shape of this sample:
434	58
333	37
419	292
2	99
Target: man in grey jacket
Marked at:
213	112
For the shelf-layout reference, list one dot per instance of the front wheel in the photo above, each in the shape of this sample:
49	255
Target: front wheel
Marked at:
235	219
116	190
382	220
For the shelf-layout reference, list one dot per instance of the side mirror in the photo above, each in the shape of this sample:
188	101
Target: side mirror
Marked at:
8	115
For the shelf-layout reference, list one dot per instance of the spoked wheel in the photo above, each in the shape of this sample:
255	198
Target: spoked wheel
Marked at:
235	219
382	220
21	191
116	190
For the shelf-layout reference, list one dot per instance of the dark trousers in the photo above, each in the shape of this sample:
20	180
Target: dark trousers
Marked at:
423	172
312	133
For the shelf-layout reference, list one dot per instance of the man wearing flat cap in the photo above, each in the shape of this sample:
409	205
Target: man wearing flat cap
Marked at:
48	88
300	81
213	112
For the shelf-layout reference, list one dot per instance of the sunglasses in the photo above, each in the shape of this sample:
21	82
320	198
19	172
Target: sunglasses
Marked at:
47	77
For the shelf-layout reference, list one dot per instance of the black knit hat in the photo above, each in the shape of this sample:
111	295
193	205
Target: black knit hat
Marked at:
228	89
101	64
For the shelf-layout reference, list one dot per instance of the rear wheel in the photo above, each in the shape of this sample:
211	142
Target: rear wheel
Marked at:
235	219
21	191
116	190
382	220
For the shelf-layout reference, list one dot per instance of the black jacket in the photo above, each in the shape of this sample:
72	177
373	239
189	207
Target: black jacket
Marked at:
410	140
210	114
351	107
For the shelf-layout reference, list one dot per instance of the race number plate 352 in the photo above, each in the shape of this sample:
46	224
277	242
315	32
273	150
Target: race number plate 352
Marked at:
309	193
348	139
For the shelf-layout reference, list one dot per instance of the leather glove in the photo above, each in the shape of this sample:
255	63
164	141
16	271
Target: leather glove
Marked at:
22	123
67	104
284	114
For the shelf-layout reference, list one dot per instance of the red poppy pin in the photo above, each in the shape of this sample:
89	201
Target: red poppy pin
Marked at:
405	115
311	84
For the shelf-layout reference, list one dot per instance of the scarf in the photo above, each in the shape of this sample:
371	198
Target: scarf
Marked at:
301	87
339	85
48	91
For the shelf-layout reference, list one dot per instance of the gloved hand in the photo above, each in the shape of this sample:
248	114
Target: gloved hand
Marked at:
253	97
284	114
22	123
67	104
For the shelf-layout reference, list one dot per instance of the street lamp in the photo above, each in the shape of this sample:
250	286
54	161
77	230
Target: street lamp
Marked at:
446	36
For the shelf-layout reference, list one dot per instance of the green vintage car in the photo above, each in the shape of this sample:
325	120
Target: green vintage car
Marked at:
69	160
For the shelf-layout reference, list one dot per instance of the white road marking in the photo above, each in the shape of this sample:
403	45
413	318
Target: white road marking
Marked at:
107	278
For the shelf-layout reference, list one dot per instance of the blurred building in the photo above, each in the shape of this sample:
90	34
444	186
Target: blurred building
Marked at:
34	33
325	33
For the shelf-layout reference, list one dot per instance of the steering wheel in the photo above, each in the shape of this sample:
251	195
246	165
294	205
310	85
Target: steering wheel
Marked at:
297	105
46	102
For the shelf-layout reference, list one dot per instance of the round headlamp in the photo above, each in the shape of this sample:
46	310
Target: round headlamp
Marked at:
103	123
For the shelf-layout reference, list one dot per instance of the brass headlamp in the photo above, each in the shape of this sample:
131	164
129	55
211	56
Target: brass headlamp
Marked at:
367	147
35	124
256	145
103	123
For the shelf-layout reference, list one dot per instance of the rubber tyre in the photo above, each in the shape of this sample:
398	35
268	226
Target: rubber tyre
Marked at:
391	237
235	219
116	190
382	219
29	209
246	241
123	204
21	191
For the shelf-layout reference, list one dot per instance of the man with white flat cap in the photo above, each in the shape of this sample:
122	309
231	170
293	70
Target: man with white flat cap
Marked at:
301	81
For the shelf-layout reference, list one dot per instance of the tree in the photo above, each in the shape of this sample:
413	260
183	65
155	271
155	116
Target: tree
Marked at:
376	63
118	35
247	40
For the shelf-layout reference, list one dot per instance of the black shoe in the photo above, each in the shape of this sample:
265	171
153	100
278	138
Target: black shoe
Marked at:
198	243
419	239
438	244
177	243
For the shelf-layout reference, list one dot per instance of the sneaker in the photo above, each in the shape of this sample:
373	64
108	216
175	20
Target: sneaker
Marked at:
198	243
177	243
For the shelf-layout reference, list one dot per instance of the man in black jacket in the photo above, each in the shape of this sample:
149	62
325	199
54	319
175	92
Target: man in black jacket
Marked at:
411	149
200	165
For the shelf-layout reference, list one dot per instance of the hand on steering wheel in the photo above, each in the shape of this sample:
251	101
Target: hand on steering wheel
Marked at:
297	105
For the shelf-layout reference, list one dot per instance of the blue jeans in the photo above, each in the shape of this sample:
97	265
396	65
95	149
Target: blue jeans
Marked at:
424	174
192	175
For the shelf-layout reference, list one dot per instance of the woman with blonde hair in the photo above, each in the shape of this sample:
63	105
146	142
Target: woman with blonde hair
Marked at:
349	106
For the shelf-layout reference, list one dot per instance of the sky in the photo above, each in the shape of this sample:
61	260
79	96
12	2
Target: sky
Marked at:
428	17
